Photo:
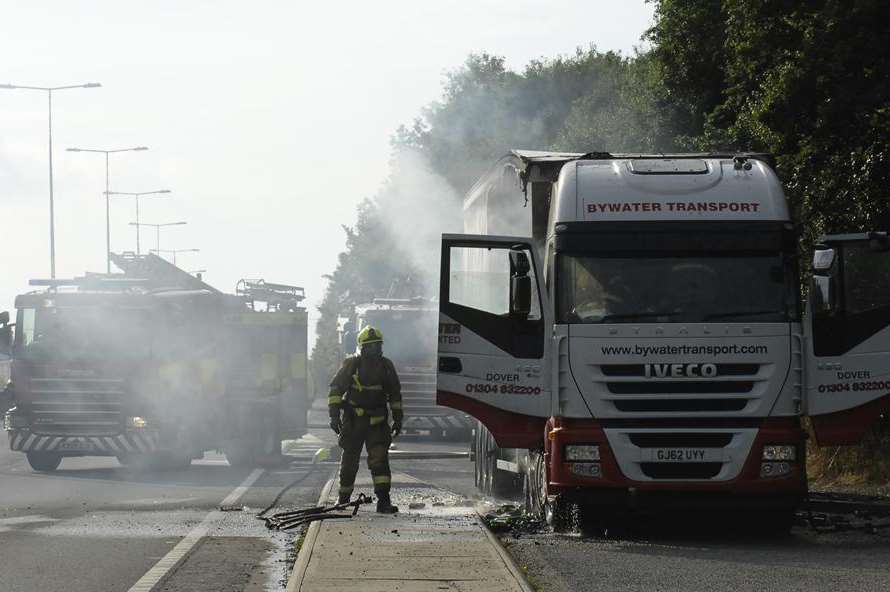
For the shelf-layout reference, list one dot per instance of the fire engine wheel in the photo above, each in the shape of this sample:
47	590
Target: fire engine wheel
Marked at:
44	461
243	452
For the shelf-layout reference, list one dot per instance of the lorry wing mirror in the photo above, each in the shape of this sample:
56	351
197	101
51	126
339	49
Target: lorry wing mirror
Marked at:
520	296
520	285
519	263
823	259
821	295
4	317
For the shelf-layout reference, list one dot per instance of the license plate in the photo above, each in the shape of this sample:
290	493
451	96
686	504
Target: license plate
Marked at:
76	445
682	455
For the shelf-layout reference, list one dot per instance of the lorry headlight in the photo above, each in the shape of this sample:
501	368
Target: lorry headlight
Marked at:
587	469
774	469
779	452
137	423
582	452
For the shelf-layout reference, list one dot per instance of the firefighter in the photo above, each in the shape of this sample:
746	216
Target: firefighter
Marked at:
357	404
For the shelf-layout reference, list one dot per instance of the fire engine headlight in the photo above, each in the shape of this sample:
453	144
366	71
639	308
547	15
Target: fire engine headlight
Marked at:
137	423
582	452
779	452
13	421
587	469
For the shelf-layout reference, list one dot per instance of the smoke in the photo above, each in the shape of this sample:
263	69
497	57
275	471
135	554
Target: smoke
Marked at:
418	205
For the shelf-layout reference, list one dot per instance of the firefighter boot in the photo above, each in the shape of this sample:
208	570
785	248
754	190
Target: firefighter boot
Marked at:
384	504
343	499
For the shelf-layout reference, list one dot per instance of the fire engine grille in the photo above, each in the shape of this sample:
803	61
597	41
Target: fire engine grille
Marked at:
419	393
75	407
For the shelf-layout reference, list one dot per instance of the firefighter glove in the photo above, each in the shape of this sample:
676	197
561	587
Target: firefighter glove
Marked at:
396	427
336	424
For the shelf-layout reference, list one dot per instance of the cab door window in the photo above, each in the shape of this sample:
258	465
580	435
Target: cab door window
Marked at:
861	282
477	289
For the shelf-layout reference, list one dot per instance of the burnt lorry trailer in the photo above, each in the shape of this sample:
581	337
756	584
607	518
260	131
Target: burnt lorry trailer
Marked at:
627	329
150	368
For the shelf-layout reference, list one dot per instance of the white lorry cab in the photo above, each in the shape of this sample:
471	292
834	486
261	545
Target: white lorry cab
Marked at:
627	329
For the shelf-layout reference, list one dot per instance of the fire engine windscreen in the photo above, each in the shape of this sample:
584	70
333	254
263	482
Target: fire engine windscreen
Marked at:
65	333
686	289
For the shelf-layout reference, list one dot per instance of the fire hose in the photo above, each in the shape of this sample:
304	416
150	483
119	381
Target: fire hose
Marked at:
294	518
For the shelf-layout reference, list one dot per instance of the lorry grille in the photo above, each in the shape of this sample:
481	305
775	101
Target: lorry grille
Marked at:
690	454
639	370
681	470
691	440
704	387
66	406
629	390
680	405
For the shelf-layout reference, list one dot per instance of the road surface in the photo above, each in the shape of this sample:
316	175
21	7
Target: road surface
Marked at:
94	525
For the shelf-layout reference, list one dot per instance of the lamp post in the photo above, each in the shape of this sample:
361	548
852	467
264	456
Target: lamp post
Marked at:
137	195
174	252
107	191
52	217
157	228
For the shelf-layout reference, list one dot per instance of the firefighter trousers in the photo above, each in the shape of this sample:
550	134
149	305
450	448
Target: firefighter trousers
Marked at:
357	432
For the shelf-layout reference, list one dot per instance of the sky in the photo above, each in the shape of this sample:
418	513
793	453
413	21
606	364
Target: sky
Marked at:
268	121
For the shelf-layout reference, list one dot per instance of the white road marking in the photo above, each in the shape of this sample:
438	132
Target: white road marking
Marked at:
178	553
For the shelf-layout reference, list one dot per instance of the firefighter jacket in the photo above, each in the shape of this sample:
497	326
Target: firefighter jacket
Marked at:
365	386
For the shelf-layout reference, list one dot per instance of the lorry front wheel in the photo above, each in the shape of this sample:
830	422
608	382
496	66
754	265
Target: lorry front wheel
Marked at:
44	461
534	487
552	509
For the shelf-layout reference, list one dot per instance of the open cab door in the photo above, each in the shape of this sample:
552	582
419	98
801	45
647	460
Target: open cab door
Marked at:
493	318
848	329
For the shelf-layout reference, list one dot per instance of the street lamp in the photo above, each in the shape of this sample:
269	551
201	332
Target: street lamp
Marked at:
107	190
52	217
157	228
137	195
174	252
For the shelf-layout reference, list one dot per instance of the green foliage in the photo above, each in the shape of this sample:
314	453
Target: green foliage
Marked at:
584	102
807	81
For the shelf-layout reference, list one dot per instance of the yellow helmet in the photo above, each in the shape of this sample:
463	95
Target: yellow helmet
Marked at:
369	335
